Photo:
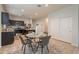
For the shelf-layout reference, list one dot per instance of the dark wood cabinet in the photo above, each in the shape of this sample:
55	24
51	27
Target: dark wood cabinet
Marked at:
14	23
7	38
4	18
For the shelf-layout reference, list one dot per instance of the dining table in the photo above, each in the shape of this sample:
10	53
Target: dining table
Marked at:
35	41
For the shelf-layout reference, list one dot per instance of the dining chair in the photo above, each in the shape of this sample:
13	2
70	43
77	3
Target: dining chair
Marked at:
43	42
24	42
32	45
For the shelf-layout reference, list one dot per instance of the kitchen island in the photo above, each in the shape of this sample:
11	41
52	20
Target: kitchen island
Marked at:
7	38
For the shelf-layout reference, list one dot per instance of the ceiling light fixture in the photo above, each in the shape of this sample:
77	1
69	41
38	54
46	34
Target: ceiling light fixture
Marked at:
36	14
46	5
30	17
22	10
42	5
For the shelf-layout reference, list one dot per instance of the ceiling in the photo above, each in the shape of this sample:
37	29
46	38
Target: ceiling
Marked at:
32	10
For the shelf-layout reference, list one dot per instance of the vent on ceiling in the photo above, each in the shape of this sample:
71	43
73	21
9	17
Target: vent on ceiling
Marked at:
42	5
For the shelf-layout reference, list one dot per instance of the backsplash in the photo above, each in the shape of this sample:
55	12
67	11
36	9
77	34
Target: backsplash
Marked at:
7	29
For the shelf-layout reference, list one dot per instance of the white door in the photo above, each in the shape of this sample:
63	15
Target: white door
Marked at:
66	29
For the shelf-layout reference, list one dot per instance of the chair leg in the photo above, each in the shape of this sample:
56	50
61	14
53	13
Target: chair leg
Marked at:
42	49
47	49
34	49
31	47
24	49
37	48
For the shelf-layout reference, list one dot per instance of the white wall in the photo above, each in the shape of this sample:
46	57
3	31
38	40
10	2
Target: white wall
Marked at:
78	25
64	23
43	25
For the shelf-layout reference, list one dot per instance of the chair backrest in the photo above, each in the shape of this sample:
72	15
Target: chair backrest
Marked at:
25	40
22	40
45	40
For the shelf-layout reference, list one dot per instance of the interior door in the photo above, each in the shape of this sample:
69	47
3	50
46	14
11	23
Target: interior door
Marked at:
66	29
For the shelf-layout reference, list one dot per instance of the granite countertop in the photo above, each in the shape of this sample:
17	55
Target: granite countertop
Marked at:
7	30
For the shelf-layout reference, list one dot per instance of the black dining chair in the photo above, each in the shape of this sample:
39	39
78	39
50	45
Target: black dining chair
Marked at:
43	42
25	42
33	47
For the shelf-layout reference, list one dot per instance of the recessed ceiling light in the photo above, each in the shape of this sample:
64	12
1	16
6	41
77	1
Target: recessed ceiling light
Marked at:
36	14
22	10
30	17
46	5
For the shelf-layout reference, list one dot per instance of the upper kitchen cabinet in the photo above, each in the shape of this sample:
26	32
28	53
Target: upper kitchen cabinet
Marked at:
4	18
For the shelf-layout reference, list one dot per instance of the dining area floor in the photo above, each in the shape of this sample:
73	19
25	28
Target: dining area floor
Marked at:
16	48
55	47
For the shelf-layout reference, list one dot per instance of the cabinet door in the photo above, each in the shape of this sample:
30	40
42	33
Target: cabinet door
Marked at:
7	38
5	18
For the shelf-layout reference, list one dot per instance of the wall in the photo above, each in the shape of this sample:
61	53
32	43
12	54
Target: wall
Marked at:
1	9
64	23
42	25
78	25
